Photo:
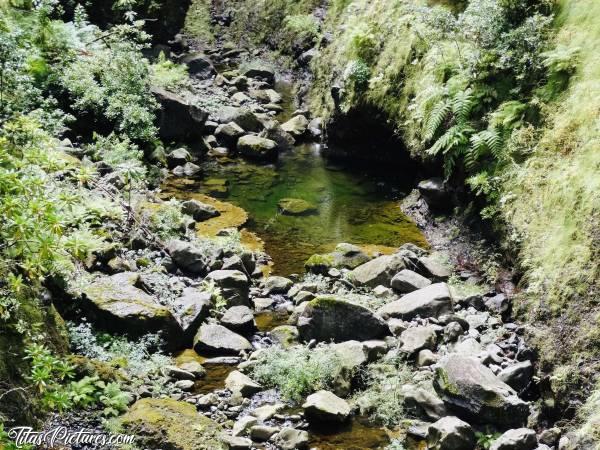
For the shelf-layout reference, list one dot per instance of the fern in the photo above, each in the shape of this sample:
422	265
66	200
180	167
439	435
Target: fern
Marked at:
462	105
436	117
509	115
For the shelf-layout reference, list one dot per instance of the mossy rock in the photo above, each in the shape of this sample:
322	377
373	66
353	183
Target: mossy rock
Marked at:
296	207
93	367
171	425
319	263
285	335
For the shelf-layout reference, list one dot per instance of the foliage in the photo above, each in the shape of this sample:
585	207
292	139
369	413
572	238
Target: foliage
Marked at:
296	372
300	32
167	220
486	439
168	75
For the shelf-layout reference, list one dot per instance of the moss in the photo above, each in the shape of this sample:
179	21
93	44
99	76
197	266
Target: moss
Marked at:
319	262
285	335
198	21
93	367
172	425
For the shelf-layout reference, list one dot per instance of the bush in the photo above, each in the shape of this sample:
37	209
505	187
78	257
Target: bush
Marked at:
169	75
300	32
296	372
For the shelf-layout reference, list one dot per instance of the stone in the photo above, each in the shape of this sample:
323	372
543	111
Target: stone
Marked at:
474	392
258	148
199	66
296	126
333	318
228	134
500	303
240	98
113	303
190	169
374	349
178	157
550	436
234	285
243	117
292	439
517	439
178	373
190	309
276	285
243	425
237	382
266	412
262	433
237	442
450	433
423	403
417	338
407	281
452	331
187	256
260	71
345	256
315	127
435	193
185	385
378	271
431	268
219	340
239	319
199	211
431	301
178	120
274	132
324	406
468	347
426	358
296	207
193	367
518	376
167	423
350	356
285	335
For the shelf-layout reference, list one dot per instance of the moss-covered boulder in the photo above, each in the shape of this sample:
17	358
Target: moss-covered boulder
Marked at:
345	256
296	207
257	148
171	425
333	318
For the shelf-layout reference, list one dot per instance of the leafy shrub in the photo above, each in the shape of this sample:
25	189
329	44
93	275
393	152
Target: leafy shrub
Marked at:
300	32
296	372
358	73
169	75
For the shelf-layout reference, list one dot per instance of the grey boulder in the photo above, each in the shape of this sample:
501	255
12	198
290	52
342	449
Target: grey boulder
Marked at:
407	281
324	406
518	439
378	271
217	339
431	301
450	433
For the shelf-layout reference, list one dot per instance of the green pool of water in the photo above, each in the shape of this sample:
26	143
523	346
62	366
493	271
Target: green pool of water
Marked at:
354	204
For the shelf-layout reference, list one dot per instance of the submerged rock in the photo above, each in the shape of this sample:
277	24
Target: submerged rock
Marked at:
296	207
333	318
170	424
324	406
472	389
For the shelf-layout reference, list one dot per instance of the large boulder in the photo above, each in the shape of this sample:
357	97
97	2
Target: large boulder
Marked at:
187	256
450	433
178	119
241	116
296	126
407	281
257	148
237	382
260	71
519	439
292	439
114	303
229	133
378	271
190	310
475	393
217	339
423	403
435	193
234	286
345	256
431	301
239	319
276	285
418	338
199	66
199	211
171	424
333	318
324	406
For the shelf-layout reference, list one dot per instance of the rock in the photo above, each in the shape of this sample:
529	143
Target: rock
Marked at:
240	98
262	433
167	423
315	127
190	310
519	439
418	338
219	340
239	319
229	134
432	268
274	132
243	425
296	207
266	412
193	367
178	373
518	376
296	126
258	148
199	66
260	71
431	301
237	382
345	256
285	335
185	385
187	257
199	211
292	439
374	349
468	347
453	331
350	356
276	285
407	281
178	157
178	120
450	433
423	403
426	358
190	169
113	303
380	270
472	390
237	442
435	193
332	318
241	116
550	436
499	304
324	406
234	286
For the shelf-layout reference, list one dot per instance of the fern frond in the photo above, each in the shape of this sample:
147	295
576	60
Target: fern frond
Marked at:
462	105
436	117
